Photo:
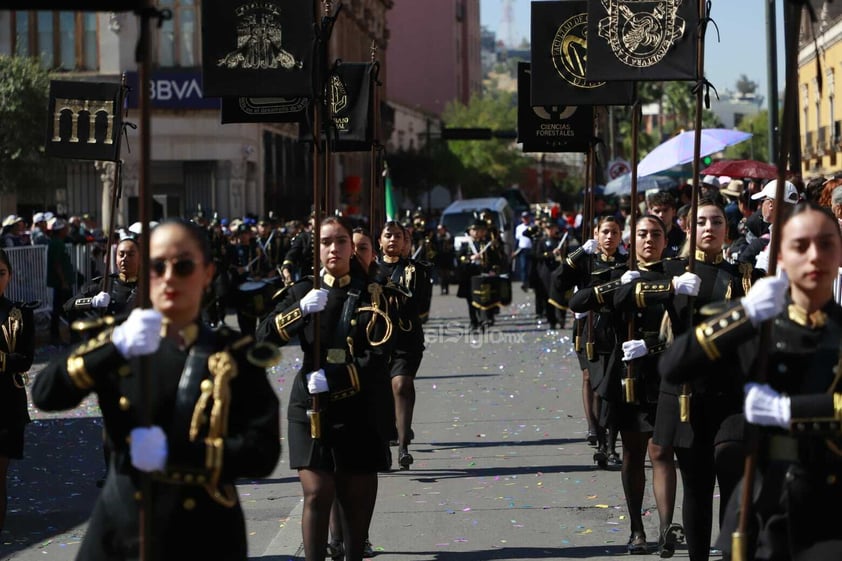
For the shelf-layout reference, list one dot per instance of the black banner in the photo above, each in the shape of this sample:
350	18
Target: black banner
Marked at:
551	128
76	5
257	48
560	51
85	121
264	109
642	39
351	92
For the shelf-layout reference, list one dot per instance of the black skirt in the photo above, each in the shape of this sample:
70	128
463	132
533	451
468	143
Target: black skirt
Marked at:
341	449
11	442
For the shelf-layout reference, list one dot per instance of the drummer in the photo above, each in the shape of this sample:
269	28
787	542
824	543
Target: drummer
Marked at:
245	254
479	259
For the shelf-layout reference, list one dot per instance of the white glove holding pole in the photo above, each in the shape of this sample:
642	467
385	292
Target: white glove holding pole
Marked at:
101	300
764	406
687	284
629	276
148	448
580	315
317	382
314	301
590	246
766	298
634	348
762	260
140	334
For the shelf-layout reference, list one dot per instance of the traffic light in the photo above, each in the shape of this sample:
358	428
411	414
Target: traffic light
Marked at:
706	161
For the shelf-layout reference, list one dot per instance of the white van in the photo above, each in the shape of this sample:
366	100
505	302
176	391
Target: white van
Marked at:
458	217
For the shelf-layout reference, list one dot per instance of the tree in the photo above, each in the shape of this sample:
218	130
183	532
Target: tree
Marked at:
489	164
746	86
757	147
24	95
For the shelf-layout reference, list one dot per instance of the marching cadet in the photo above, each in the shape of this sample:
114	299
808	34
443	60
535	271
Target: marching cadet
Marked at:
419	282
479	260
338	421
245	254
17	350
214	416
394	270
298	262
702	419
798	408
548	253
215	302
270	240
444	257
121	297
594	263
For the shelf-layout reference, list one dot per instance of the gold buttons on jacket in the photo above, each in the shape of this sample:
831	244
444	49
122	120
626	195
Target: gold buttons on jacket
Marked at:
189	503
125	404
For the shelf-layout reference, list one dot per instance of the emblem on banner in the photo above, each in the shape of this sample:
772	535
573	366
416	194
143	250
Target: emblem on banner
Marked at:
570	51
259	45
640	32
338	103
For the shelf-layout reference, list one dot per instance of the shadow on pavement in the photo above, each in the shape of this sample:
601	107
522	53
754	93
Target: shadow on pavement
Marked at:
504	553
53	489
503	443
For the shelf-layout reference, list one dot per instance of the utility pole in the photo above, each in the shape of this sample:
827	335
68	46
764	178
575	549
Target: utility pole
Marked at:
772	69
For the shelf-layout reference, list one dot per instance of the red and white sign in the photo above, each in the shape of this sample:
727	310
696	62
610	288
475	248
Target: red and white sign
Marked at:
618	167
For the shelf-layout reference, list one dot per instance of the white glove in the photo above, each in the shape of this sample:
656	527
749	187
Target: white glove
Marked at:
764	406
634	348
148	448
140	334
317	382
580	315
762	260
314	301
101	300
766	298
687	284
590	246
629	276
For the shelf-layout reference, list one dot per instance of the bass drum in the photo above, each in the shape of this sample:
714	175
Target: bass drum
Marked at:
254	297
485	291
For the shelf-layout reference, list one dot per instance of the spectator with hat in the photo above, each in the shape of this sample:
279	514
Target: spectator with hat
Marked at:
38	232
59	272
13	229
756	251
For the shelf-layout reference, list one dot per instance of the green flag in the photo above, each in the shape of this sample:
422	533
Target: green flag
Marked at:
391	205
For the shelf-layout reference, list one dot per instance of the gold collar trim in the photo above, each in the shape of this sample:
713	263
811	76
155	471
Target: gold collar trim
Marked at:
334	282
800	316
125	279
702	257
185	337
605	258
391	260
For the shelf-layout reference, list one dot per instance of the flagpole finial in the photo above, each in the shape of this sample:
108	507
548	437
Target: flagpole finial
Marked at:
373	50
328	6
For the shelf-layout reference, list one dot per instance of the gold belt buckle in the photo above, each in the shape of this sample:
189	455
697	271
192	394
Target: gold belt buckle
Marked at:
337	356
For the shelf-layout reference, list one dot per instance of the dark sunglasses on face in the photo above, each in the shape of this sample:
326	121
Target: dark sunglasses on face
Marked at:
180	268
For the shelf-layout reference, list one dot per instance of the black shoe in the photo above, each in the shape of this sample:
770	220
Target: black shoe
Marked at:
614	459
405	459
335	550
637	544
592	438
600	458
669	537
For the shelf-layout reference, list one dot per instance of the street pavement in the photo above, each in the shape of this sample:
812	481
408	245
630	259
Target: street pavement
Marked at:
501	471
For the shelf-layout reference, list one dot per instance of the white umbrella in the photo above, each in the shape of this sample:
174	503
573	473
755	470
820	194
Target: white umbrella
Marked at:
679	149
622	184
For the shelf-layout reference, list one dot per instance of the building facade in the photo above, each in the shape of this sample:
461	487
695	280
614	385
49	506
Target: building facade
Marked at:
197	163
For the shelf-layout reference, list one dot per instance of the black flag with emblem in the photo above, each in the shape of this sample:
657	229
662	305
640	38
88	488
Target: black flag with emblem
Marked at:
642	39
559	55
552	128
351	94
260	48
264	109
85	121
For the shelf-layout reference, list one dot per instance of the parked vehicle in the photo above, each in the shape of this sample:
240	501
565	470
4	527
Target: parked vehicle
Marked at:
459	215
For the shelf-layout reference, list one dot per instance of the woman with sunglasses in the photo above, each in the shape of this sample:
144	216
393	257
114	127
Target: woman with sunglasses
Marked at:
702	420
593	263
799	457
17	349
340	412
396	270
211	416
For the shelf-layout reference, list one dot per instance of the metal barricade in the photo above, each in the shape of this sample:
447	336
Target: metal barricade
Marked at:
29	277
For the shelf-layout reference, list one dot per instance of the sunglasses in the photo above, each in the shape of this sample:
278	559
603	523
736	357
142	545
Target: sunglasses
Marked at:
181	268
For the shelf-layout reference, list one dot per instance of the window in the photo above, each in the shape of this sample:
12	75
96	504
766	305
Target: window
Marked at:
178	39
61	40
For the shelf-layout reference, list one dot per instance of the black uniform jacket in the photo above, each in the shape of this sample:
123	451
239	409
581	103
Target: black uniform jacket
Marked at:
123	292
404	309
18	330
211	396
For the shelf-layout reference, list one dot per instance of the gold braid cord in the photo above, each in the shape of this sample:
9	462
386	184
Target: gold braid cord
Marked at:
223	369
10	332
376	292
